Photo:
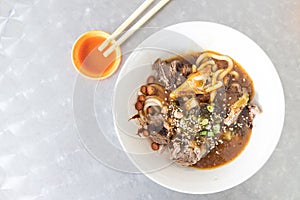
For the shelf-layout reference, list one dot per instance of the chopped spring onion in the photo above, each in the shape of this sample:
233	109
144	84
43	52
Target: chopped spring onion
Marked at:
210	134
204	122
210	108
216	128
203	132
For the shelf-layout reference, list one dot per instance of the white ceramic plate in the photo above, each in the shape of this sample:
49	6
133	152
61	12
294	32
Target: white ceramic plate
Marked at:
184	38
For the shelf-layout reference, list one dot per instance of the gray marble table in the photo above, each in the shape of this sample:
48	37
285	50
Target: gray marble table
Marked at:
41	156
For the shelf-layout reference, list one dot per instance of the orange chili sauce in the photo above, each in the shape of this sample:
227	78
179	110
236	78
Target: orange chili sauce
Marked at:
89	61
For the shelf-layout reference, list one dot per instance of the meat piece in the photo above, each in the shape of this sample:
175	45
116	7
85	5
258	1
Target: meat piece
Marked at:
188	145
167	73
186	153
158	133
163	72
233	116
253	111
236	109
159	138
204	98
185	69
156	120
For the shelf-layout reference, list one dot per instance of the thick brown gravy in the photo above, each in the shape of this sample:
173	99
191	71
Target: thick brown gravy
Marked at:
225	152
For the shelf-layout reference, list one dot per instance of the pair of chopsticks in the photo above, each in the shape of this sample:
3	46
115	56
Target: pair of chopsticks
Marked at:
135	27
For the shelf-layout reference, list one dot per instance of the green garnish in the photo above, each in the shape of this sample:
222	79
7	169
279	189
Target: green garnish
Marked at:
216	128
203	132
210	134
210	108
204	122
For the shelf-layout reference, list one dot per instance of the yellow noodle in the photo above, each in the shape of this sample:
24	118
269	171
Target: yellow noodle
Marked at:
213	82
214	87
217	57
214	68
203	65
201	57
212	96
226	80
215	76
228	69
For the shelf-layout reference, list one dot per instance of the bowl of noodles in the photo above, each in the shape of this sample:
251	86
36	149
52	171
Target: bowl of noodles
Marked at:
192	110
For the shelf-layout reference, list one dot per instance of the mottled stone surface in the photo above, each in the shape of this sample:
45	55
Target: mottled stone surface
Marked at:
41	156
